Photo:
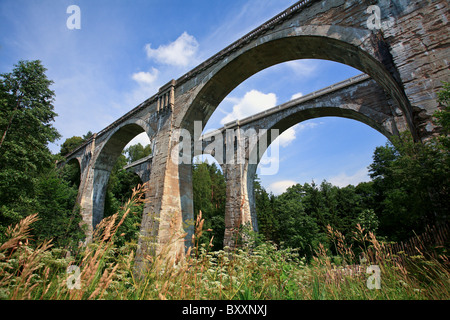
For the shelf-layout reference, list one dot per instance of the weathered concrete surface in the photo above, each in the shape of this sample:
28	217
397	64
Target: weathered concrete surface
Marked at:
419	42
407	58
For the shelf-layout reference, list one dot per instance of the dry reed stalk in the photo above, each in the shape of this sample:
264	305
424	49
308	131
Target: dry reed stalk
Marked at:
28	260
20	232
341	245
46	273
103	240
27	267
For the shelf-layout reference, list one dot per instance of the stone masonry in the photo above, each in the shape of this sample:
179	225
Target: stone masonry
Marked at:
406	59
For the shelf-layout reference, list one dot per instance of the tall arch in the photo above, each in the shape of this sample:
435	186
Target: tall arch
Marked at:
364	101
105	161
286	123
358	48
72	171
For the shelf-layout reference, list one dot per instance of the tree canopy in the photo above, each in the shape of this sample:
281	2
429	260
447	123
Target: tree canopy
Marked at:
29	182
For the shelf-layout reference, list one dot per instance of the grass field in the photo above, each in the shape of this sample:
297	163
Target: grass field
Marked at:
101	270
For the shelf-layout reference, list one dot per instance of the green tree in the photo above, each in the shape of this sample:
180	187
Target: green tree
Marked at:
412	180
26	116
331	205
202	188
59	218
218	200
70	144
120	185
368	220
27	106
210	197
137	151
268	223
298	229
29	181
87	135
119	190
443	116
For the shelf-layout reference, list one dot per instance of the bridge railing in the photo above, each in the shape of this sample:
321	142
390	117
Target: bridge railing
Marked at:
334	87
138	162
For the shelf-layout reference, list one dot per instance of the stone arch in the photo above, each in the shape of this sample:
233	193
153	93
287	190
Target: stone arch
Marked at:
288	122
359	113
358	48
117	140
105	160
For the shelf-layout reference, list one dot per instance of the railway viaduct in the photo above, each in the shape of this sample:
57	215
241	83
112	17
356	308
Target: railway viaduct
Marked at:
400	46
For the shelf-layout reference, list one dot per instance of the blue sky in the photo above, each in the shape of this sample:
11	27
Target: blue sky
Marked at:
126	50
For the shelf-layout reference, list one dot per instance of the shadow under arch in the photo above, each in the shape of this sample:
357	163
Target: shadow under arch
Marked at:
105	162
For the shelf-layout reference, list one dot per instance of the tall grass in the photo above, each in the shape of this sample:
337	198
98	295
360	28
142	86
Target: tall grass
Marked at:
263	271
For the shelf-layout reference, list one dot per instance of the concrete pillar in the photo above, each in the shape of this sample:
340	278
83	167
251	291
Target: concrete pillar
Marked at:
168	210
237	208
84	200
85	190
91	198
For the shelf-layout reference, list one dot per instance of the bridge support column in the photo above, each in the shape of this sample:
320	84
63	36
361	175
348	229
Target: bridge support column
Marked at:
91	198
237	208
84	200
168	210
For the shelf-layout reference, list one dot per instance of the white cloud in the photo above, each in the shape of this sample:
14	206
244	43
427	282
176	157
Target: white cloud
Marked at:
279	187
146	78
296	96
307	125
182	52
304	67
253	102
148	84
343	180
287	137
140	138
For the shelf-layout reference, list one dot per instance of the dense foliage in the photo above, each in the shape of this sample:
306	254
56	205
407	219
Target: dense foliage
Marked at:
29	181
210	198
